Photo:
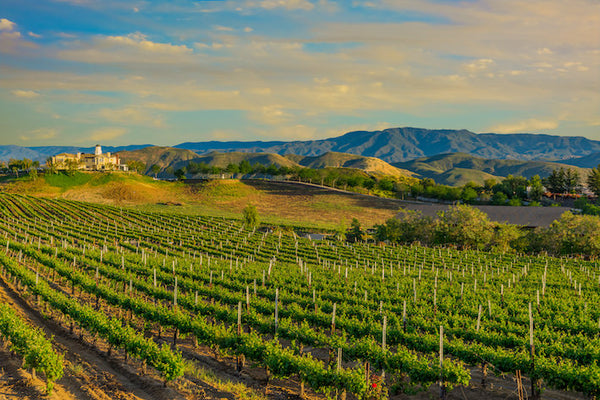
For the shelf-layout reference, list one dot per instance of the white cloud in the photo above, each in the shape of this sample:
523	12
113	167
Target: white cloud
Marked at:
270	114
287	4
6	25
132	116
25	94
528	125
34	35
479	65
138	41
39	134
134	48
107	133
544	51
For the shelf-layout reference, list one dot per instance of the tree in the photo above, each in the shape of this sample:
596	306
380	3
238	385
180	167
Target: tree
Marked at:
464	226
26	164
180	173
155	169
572	181
499	198
574	234
232	168
555	182
33	174
468	195
593	180
245	167
136	166
536	188
355	233
50	166
72	166
251	216
488	184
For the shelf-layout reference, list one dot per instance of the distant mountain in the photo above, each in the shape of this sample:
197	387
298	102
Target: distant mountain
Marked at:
589	161
390	145
41	153
403	144
459	168
178	158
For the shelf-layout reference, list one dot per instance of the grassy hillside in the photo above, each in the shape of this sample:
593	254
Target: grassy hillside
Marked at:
162	156
344	160
221	160
458	168
107	188
292	203
279	203
461	176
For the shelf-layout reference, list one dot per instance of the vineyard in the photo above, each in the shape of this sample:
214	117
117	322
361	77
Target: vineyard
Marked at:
348	320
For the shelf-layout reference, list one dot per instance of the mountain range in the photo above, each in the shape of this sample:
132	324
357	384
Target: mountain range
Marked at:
390	145
452	157
404	144
456	169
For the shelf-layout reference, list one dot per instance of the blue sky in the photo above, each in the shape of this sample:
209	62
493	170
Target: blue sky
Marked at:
77	72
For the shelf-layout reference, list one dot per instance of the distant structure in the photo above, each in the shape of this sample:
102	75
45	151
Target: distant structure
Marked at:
89	162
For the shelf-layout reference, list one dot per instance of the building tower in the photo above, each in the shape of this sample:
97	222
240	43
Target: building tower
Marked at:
98	150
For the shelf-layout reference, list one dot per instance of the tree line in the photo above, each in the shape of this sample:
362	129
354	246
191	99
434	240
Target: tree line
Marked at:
467	227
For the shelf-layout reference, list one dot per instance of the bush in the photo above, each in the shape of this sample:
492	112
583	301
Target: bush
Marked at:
251	216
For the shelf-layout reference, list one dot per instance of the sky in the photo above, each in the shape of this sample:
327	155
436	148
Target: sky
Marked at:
81	72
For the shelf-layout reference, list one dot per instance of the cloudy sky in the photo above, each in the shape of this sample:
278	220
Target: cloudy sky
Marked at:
164	72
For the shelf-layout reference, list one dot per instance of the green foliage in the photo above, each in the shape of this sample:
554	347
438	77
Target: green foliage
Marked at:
155	168
499	199
65	181
515	202
468	195
536	188
408	227
463	226
32	345
136	166
574	234
586	207
180	173
251	218
593	180
563	181
355	233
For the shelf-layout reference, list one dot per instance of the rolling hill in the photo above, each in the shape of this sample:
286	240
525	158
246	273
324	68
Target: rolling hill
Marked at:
459	168
345	160
221	160
390	145
589	161
162	156
403	144
178	158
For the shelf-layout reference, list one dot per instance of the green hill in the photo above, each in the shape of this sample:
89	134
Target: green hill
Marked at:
458	168
162	156
221	160
344	160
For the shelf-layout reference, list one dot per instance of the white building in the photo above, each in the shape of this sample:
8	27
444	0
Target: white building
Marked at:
90	162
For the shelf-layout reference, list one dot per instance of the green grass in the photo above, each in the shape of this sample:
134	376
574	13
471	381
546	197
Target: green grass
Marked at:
66	182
